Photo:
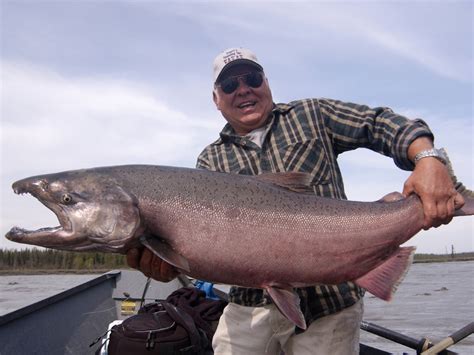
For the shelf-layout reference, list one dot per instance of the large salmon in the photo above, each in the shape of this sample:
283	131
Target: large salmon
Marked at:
233	229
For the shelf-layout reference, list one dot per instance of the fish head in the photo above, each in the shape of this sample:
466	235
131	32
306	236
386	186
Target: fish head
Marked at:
95	213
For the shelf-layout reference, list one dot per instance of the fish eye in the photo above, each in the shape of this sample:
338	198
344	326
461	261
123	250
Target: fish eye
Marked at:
67	198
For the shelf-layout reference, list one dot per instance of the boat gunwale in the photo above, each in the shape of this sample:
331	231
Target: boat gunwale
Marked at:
19	313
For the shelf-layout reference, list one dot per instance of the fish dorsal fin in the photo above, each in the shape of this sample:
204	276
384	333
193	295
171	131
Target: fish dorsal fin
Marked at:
291	180
288	303
392	197
164	251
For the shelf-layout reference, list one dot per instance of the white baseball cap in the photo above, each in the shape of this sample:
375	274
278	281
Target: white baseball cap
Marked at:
234	56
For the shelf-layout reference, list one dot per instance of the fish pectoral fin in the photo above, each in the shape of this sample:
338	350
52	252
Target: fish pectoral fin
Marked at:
288	303
383	281
292	180
164	251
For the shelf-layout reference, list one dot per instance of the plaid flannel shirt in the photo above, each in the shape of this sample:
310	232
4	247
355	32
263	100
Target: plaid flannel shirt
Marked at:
307	136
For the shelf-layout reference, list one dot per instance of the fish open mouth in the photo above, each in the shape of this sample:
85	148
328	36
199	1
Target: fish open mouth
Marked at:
41	235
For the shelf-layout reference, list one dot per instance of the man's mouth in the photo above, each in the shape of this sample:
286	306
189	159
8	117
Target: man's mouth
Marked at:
247	104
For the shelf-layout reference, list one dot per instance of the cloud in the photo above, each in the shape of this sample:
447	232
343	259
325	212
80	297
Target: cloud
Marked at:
399	33
51	122
413	48
89	121
349	29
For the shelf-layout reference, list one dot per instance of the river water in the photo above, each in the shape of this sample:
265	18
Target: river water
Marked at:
433	301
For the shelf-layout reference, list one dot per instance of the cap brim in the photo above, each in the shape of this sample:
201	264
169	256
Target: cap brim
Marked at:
238	62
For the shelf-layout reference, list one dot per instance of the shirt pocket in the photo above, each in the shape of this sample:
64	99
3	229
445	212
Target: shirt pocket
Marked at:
307	156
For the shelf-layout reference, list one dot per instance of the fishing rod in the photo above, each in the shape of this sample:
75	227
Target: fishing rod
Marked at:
420	345
450	340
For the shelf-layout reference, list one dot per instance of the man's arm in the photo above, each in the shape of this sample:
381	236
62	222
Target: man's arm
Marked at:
352	126
431	181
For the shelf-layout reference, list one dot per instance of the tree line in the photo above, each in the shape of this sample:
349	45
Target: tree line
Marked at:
48	259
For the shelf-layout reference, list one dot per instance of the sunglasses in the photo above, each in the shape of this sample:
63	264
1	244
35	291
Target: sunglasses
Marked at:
252	79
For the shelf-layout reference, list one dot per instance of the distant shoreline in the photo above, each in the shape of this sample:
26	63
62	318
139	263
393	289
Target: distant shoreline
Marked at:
446	259
436	258
419	259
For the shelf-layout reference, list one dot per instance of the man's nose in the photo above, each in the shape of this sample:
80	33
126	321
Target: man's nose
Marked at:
243	87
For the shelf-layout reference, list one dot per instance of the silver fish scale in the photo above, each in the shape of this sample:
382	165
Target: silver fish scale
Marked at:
244	224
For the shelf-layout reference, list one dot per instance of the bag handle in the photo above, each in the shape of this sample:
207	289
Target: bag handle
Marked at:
186	321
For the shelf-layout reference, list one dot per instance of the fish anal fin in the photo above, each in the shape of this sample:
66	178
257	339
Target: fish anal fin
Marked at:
288	303
383	281
291	180
163	250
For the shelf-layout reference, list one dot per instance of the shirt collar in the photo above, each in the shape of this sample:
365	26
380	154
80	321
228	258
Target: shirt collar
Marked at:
228	133
282	108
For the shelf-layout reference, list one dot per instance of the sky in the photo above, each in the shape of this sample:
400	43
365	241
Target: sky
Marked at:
96	83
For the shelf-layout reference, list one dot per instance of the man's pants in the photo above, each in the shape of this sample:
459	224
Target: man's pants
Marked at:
264	330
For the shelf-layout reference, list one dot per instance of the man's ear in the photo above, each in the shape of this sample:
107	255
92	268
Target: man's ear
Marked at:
215	99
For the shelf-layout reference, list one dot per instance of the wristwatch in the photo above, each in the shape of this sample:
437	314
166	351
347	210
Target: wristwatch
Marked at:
435	153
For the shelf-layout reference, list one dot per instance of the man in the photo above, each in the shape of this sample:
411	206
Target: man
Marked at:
307	136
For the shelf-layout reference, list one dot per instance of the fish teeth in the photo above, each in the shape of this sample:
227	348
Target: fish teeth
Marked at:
17	230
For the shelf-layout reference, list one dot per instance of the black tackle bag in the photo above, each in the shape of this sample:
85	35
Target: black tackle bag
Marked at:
160	329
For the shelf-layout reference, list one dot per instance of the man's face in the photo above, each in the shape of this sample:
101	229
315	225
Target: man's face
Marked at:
246	108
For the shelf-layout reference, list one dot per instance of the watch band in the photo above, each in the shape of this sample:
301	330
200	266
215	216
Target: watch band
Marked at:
435	153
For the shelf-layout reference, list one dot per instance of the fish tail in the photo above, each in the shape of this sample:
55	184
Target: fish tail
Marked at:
383	281
468	208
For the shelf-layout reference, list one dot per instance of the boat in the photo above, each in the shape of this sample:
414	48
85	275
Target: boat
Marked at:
76	321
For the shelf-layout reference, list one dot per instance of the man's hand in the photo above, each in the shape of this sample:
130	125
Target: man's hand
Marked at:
432	183
151	265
